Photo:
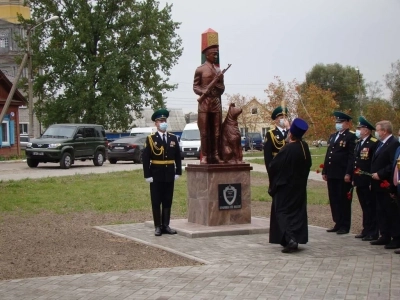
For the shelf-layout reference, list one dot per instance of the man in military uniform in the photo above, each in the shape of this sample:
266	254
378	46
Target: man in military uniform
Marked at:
276	136
338	171
364	151
162	165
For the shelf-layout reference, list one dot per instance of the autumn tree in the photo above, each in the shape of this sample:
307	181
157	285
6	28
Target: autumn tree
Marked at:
102	59
344	81
379	109
280	92
316	107
392	80
373	90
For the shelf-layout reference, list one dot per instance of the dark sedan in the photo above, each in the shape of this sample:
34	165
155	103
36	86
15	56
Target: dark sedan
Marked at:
126	149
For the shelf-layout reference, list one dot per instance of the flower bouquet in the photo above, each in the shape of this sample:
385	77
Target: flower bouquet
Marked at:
350	193
385	184
318	170
358	171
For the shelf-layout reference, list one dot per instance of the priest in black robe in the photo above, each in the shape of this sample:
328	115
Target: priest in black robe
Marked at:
289	174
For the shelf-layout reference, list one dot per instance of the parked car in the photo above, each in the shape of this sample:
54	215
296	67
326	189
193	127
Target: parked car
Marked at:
126	149
320	143
23	141
254	140
66	143
243	142
190	141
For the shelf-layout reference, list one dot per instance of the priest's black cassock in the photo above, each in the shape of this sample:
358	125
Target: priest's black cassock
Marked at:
289	174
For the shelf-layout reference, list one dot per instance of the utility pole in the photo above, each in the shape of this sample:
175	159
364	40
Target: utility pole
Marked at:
359	91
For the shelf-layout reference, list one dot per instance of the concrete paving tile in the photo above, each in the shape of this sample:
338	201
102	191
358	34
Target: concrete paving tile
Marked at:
237	267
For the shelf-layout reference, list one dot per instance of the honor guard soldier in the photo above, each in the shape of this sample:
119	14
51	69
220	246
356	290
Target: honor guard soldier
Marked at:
276	136
364	151
162	165
338	171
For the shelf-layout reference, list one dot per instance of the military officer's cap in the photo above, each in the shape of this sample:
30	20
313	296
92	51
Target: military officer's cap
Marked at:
341	117
298	127
362	122
160	114
277	112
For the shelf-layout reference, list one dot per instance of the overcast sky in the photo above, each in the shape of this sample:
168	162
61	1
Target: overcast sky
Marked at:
286	38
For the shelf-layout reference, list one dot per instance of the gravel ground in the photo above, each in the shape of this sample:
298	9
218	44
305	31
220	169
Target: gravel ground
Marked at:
51	244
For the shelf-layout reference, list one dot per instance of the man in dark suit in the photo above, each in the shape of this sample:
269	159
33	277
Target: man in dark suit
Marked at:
275	137
162	165
395	195
338	170
388	216
364	151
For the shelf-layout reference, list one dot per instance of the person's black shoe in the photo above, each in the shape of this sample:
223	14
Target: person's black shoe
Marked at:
332	229
342	231
396	251
360	236
369	238
380	242
168	230
392	245
292	246
158	232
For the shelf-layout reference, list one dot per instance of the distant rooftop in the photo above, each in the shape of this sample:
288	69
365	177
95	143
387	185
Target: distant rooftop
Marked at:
176	119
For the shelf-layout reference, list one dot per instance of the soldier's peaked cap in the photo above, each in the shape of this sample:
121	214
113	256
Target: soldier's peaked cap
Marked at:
341	117
277	112
362	122
160	114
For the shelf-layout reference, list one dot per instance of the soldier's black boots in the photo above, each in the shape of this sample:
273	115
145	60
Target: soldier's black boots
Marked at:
166	214
158	232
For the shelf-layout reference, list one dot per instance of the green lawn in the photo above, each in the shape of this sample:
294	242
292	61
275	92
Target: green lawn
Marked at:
112	192
317	156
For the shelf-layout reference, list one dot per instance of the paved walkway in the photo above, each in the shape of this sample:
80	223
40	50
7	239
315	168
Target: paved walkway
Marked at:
235	267
330	266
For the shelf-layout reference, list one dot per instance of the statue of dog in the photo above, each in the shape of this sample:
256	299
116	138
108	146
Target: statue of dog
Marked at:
231	148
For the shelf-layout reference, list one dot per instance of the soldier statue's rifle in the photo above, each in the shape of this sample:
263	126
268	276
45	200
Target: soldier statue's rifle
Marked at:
212	84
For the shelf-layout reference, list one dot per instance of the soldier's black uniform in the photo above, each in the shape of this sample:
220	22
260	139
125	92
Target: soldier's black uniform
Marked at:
162	162
338	162
274	141
363	153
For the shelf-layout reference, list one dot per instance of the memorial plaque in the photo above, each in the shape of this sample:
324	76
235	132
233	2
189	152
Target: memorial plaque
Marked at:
230	196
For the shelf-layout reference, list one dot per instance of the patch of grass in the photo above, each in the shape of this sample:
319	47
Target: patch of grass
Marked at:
253	153
119	192
317	156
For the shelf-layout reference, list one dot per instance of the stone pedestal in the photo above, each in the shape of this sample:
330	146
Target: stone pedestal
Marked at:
202	186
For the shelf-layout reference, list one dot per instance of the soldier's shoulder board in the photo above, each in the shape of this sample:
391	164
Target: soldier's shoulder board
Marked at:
373	139
352	131
170	133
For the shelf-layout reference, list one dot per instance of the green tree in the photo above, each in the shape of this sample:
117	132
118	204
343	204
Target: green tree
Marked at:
102	59
392	80
344	81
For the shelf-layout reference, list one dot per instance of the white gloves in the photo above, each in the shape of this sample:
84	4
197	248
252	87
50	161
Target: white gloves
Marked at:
150	179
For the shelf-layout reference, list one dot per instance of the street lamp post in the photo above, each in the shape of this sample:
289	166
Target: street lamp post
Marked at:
30	83
359	91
